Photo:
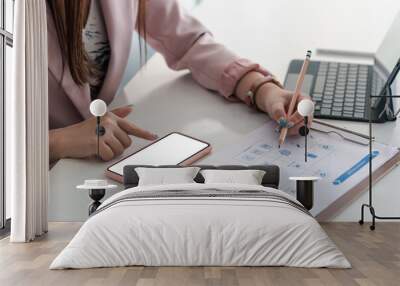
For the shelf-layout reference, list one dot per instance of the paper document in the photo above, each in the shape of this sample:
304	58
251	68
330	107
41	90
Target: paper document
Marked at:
340	164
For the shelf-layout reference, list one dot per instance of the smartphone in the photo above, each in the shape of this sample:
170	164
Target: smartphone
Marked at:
173	149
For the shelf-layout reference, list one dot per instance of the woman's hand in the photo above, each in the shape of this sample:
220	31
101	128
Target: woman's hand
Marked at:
80	140
275	101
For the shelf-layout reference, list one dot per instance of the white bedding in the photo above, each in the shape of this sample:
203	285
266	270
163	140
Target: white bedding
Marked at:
200	231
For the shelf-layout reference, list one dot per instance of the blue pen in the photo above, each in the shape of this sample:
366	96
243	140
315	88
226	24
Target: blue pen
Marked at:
358	166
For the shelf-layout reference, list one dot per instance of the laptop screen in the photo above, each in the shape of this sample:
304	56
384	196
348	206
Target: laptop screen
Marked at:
394	81
388	54
386	59
395	85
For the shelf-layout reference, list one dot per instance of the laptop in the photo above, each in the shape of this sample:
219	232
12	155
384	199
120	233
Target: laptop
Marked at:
342	90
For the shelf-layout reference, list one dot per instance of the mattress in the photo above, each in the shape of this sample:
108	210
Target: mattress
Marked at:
201	225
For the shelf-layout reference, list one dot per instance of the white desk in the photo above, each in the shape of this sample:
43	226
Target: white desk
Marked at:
269	32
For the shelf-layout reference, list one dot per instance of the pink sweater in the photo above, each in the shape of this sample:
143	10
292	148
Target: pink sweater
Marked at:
181	39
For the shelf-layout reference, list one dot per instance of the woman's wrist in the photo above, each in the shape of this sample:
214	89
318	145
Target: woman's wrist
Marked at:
264	87
262	95
246	83
56	149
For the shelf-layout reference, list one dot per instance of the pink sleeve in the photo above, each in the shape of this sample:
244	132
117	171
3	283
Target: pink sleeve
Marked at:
187	44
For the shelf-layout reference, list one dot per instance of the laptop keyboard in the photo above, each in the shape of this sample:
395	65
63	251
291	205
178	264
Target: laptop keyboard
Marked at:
340	90
377	85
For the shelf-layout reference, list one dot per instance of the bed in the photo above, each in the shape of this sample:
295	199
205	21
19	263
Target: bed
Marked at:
201	224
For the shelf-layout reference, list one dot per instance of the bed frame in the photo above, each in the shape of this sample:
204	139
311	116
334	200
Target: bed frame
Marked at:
304	188
270	179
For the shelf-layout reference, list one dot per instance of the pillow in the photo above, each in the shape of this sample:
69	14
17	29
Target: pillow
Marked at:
166	176
248	177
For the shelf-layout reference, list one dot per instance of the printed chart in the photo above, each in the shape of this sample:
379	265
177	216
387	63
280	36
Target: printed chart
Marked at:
340	164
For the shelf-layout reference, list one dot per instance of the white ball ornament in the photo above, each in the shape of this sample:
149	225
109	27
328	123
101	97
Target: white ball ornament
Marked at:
98	107
305	107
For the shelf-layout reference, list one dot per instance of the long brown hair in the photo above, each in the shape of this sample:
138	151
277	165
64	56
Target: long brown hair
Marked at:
70	17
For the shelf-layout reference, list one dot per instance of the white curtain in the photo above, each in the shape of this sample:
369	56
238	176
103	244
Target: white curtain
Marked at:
27	124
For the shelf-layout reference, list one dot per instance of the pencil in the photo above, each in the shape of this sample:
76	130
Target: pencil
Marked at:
342	129
296	95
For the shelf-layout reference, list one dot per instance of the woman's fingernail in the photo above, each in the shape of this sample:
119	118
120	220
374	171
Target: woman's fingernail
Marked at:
282	122
155	136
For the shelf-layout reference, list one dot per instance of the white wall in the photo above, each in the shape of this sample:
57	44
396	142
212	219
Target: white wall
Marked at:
134	62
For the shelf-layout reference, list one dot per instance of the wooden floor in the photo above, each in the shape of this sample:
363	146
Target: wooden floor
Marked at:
375	257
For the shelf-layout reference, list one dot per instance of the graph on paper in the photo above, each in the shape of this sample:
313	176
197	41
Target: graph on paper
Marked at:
340	164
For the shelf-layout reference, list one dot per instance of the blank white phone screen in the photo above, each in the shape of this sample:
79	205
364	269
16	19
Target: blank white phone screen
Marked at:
170	150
